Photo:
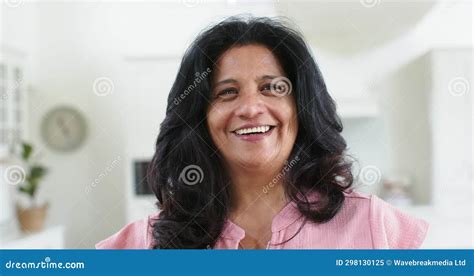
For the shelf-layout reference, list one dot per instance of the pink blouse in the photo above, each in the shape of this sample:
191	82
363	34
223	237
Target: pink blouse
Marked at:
364	222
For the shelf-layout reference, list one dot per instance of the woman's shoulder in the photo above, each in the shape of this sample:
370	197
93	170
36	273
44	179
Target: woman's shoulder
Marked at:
390	227
135	235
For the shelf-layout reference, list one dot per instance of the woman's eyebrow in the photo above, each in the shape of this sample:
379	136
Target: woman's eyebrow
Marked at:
225	81
266	77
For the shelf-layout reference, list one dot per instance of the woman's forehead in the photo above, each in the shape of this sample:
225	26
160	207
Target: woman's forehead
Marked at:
248	60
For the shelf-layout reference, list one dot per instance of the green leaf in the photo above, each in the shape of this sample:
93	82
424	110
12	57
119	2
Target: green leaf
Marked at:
37	172
27	150
27	190
34	188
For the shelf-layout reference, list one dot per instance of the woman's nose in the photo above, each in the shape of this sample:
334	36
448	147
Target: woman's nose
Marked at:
250	105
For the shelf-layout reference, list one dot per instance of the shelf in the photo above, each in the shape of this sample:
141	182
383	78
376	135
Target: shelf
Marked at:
49	238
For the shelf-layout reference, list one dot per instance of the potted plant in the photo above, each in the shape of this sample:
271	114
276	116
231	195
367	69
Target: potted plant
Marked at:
31	218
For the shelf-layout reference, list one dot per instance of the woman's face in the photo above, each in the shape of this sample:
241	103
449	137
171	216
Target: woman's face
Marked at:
253	126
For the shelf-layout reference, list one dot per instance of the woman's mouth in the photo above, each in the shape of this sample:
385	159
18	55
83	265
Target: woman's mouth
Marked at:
253	133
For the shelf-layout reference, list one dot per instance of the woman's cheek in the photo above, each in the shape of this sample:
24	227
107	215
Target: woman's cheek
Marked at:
216	123
211	124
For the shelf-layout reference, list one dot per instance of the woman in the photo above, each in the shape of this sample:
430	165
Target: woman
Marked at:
250	154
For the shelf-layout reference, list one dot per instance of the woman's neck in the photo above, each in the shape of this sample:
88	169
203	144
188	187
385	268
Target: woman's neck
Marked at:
256	191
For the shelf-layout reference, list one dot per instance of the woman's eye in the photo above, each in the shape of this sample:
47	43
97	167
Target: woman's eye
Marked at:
227	92
266	88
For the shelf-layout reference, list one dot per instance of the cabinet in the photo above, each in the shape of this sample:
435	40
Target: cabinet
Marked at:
13	117
428	110
12	99
49	238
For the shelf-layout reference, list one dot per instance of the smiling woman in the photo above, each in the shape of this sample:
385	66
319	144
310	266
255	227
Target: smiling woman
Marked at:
252	155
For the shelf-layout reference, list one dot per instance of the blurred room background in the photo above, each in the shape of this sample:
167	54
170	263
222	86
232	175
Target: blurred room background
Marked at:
85	84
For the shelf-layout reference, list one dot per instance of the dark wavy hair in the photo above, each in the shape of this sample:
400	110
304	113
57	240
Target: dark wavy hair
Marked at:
193	216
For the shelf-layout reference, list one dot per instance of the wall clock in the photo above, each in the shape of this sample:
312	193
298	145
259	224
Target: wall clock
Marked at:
63	129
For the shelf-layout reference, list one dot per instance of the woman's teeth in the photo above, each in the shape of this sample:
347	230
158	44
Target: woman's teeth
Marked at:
252	130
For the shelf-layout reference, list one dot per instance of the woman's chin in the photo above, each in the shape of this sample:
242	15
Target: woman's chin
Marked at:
254	162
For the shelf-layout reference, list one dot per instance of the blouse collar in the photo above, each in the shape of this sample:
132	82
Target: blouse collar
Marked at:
287	216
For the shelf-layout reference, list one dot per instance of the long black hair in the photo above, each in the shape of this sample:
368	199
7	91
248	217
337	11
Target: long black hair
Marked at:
193	216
